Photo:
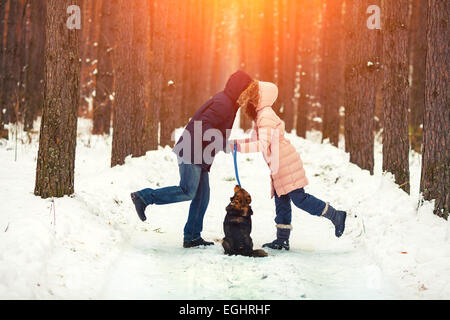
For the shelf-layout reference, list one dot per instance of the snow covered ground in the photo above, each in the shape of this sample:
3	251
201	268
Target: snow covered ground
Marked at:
93	246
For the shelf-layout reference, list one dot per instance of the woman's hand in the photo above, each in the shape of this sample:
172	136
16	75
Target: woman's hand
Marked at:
232	143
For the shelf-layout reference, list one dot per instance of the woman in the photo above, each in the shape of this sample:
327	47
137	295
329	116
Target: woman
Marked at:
288	177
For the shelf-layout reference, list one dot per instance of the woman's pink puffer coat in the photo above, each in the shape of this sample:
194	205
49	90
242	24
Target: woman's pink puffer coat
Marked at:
286	166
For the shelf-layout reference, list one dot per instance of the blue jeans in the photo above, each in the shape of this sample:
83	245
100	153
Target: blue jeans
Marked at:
302	200
194	186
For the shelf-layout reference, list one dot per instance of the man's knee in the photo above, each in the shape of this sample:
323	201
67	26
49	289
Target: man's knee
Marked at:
190	192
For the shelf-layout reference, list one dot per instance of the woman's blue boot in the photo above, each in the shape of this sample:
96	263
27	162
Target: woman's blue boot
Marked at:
337	218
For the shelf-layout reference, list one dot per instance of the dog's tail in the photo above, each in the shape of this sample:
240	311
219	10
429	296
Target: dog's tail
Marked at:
259	253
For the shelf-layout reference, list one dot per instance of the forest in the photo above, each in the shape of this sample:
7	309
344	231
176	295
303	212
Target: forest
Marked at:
140	69
95	93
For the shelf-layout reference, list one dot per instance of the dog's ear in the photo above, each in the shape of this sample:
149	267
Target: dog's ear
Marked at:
237	188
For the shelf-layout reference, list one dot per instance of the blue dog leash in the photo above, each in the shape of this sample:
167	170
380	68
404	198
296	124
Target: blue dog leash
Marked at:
235	164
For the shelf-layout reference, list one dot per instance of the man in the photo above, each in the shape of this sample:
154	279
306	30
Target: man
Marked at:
216	115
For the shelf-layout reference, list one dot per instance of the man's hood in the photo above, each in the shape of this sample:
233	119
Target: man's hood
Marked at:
237	83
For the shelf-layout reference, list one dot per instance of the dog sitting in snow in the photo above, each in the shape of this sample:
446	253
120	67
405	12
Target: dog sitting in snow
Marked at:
237	226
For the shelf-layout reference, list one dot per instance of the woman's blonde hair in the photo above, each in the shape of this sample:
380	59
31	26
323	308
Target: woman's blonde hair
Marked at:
249	99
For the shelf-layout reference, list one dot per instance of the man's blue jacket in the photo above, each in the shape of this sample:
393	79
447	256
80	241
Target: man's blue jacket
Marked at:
218	113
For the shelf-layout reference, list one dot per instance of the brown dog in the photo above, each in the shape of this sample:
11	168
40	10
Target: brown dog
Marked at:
237	226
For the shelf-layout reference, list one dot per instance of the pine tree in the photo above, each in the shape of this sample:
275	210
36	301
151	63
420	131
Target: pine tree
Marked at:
11	69
104	78
268	42
159	11
287	61
139	55
417	56
331	76
122	120
435	179
395	91
169	110
57	140
250	33
361	71
306	60
3	131
34	88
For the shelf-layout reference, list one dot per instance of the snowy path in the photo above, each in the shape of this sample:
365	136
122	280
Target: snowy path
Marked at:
99	249
162	271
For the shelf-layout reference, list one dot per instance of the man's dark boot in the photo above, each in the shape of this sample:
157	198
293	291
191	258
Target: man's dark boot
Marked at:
196	243
140	206
337	217
282	240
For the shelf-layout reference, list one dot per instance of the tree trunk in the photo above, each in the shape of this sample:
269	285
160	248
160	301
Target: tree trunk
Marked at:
36	60
207	52
307	14
157	47
361	71
395	91
91	32
219	47
22	56
3	132
104	83
435	179
181	48
250	32
57	141
139	56
169	111
418	52
268	45
122	131
331	77
189	58
287	60
10	91
88	7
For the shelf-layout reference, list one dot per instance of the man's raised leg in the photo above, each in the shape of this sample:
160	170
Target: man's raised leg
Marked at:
189	181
